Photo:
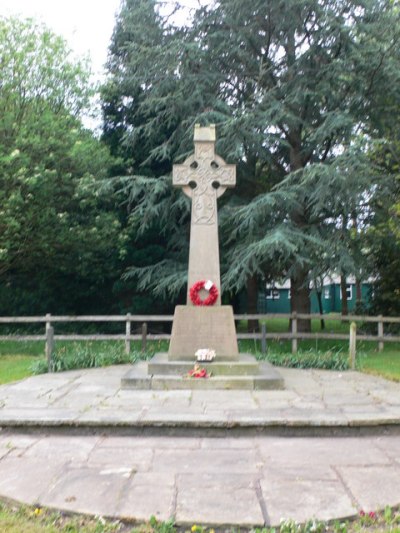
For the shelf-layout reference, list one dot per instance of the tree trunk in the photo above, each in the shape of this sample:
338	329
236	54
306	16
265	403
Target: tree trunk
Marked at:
343	290
253	326
300	292
300	300
358	294
358	281
321	310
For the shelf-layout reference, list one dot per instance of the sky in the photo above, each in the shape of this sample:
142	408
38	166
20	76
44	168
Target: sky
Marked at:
86	25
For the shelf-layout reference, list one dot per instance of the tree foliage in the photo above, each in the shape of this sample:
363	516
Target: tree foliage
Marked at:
56	233
299	90
382	242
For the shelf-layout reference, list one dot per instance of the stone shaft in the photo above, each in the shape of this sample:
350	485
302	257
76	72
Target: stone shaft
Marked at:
204	177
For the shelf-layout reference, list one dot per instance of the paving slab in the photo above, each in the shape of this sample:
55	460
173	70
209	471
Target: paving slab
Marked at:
313	452
26	480
149	494
223	499
373	486
302	500
74	449
134	458
85	489
215	461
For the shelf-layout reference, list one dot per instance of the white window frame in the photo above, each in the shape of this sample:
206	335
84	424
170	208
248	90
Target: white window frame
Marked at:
349	291
327	293
273	294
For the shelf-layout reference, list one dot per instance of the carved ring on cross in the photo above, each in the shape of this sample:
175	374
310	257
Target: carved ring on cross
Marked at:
223	177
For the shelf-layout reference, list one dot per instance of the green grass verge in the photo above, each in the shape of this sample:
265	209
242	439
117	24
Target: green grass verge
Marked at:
385	364
17	519
75	355
14	367
20	359
21	348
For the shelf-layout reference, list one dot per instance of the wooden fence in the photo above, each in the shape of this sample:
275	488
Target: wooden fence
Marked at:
293	335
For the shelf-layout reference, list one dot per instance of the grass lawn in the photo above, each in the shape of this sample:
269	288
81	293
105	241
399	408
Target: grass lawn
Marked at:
17	519
386	363
14	367
21	348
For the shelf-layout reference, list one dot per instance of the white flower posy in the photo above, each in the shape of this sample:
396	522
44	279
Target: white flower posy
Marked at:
205	354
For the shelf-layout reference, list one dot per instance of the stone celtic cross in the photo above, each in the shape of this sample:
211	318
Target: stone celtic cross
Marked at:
204	177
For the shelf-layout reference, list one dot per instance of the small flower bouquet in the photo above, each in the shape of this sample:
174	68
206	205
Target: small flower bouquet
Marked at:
198	372
205	354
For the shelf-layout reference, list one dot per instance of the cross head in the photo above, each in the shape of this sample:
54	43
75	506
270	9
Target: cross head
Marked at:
204	176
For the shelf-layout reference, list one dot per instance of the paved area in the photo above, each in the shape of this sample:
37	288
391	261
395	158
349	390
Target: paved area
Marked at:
76	441
215	481
94	398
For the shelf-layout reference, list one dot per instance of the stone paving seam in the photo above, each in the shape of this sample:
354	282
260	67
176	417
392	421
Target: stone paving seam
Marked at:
349	493
122	493
33	443
394	461
58	475
99	441
261	502
174	503
52	401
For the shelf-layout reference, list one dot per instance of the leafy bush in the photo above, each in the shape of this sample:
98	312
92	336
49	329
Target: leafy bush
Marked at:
329	360
87	355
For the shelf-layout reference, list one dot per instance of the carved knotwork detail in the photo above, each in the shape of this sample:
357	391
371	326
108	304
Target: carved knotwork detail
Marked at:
209	176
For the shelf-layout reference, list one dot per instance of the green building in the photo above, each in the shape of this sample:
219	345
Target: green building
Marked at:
275	298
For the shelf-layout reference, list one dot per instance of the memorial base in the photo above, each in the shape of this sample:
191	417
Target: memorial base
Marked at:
196	327
162	374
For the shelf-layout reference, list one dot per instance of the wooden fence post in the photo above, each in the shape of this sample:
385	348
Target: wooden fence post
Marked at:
263	338
49	347
48	321
352	345
294	332
128	334
380	334
144	336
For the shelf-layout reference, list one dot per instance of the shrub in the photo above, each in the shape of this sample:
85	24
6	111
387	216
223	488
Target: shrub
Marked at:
88	355
329	360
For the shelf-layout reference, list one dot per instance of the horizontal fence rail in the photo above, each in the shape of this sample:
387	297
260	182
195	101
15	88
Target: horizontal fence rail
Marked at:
263	335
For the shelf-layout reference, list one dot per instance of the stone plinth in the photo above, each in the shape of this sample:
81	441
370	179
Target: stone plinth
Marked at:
162	374
203	327
245	366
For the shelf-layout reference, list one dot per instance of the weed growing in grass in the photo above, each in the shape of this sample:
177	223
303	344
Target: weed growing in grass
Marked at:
329	360
154	526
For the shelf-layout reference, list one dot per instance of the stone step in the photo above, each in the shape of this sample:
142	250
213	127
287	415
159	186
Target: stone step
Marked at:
246	366
139	377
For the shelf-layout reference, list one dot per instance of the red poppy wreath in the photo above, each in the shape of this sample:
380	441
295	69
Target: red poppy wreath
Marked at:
208	286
